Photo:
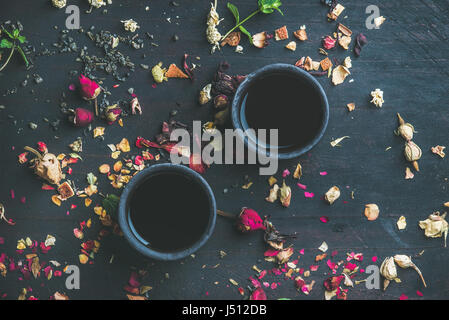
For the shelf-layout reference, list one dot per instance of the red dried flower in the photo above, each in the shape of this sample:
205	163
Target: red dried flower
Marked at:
42	147
249	220
81	117
258	294
89	88
329	42
112	113
332	283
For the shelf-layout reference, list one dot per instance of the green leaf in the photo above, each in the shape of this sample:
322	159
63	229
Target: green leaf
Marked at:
5	44
268	6
110	204
21	39
235	12
15	33
9	34
23	56
250	37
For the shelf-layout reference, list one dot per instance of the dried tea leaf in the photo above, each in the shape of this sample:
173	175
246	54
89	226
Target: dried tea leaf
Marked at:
285	194
56	200
272	180
345	30
124	145
291	46
281	33
323	247
104	168
174	72
98	131
344	42
35	267
326	63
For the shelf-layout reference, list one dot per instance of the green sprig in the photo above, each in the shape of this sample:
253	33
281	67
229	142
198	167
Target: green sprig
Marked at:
13	43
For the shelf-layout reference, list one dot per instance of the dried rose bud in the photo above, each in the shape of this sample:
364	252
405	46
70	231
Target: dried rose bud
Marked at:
332	194
135	106
260	39
273	196
435	226
405	130
221	101
81	117
412	153
47	166
406	262
112	113
89	88
258	294
329	42
249	220
285	195
42	147
332	283
388	271
284	255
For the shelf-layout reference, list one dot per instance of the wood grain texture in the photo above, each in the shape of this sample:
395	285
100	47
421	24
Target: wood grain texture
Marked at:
406	58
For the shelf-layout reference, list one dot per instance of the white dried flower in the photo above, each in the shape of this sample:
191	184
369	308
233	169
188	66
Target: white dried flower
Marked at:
378	97
130	25
97	3
59	3
212	33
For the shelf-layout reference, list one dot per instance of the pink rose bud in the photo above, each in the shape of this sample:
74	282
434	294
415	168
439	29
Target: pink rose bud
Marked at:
258	294
249	220
329	42
112	113
89	88
81	117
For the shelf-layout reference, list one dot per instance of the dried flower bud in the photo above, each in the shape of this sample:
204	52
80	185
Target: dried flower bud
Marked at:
135	106
329	42
47	166
406	262
112	113
89	88
412	152
439	150
260	39
285	195
435	226
378	98
388	271
81	117
258	294
249	220
405	130
221	101
59	3
272	197
332	194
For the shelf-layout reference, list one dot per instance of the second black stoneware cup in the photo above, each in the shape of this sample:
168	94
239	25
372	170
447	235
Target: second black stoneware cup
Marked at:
167	211
283	97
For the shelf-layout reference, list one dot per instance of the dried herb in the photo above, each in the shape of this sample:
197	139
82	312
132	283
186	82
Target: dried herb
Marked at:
13	43
110	204
265	6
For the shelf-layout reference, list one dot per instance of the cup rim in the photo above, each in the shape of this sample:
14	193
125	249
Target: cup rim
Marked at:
280	68
132	186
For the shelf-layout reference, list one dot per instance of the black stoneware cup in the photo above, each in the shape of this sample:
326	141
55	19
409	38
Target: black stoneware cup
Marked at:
196	215
311	102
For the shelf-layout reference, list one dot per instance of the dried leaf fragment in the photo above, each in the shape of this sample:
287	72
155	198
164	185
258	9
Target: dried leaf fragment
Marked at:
435	226
326	63
104	168
272	197
281	33
233	39
345	30
298	171
332	195
371	211
344	42
291	46
285	195
336	142
174	72
378	98
439	150
301	34
339	74
401	223
98	131
408	173
350	106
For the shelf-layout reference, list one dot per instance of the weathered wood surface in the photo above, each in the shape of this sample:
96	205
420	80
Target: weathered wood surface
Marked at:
406	58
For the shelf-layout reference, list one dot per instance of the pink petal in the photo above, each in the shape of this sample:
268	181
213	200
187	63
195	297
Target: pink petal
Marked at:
302	186
323	173
419	293
324	219
308	194
403	297
301	251
374	259
285	173
72	87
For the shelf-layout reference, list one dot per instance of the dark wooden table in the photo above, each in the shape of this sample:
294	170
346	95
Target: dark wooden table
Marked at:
406	58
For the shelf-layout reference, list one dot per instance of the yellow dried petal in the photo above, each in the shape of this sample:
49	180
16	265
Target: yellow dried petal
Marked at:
56	200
